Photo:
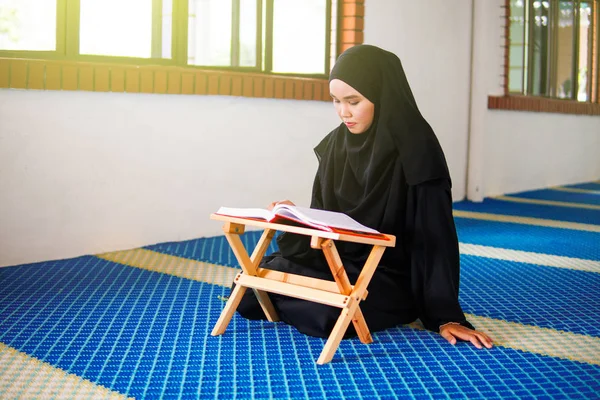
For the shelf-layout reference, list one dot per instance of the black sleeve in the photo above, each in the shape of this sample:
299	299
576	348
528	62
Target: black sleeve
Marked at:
434	255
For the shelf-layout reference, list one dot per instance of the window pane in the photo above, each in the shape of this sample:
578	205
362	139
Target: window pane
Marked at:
564	58
515	76
167	28
299	36
28	25
585	42
539	42
518	46
209	32
116	28
248	33
333	35
595	75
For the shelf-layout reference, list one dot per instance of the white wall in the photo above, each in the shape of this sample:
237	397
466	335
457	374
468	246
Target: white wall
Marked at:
526	152
432	39
83	173
523	150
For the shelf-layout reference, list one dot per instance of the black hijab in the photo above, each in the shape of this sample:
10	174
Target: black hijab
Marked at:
367	175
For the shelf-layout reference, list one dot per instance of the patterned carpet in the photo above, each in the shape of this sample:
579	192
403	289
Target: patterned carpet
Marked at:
137	323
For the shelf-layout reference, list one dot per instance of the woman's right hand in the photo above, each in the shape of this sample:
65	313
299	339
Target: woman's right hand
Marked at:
453	331
273	204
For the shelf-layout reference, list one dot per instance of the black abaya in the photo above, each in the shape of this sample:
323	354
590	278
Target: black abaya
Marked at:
393	178
404	287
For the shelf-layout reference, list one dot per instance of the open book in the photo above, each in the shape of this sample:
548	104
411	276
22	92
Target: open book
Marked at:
319	219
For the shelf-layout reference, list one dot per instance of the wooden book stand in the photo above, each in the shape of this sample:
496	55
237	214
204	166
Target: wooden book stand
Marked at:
339	294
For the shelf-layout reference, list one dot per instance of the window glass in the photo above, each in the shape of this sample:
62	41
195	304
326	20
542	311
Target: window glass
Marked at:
539	42
28	25
564	59
167	28
333	35
585	40
299	38
247	33
518	47
116	28
209	32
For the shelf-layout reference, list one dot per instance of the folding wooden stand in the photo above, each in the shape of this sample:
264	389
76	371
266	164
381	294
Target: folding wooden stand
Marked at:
339	294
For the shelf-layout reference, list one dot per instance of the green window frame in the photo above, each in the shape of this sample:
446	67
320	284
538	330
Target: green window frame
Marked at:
68	38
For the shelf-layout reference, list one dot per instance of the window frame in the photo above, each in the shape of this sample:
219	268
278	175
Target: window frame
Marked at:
67	44
525	101
55	70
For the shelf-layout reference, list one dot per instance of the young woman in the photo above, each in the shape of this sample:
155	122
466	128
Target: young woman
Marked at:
384	167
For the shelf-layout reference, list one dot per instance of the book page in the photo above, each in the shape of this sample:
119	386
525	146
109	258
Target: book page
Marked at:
288	217
259	213
324	218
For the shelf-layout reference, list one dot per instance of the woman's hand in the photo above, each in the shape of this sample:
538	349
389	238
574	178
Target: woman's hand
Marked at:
451	332
273	204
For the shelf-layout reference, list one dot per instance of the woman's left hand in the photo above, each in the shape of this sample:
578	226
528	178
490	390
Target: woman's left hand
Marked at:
273	204
452	332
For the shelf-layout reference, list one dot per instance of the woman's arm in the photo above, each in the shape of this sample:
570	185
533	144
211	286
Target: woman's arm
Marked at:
435	262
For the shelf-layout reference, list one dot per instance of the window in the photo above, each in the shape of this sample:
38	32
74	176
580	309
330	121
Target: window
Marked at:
273	36
267	35
553	49
204	47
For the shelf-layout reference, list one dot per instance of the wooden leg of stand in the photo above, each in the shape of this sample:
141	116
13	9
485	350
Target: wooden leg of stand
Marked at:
361	327
266	305
257	255
341	278
229	310
248	267
262	246
337	333
367	271
361	287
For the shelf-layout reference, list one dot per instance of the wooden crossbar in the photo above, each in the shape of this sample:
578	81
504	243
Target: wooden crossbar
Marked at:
288	289
301	280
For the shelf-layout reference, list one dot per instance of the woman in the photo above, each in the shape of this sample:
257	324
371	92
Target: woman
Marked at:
384	167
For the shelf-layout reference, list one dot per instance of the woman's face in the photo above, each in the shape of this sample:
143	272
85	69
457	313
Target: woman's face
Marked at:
355	110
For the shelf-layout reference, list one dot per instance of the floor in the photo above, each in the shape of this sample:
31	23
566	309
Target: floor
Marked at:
136	323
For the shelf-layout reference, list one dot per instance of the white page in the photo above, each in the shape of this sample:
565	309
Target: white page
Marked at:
246	212
326	218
